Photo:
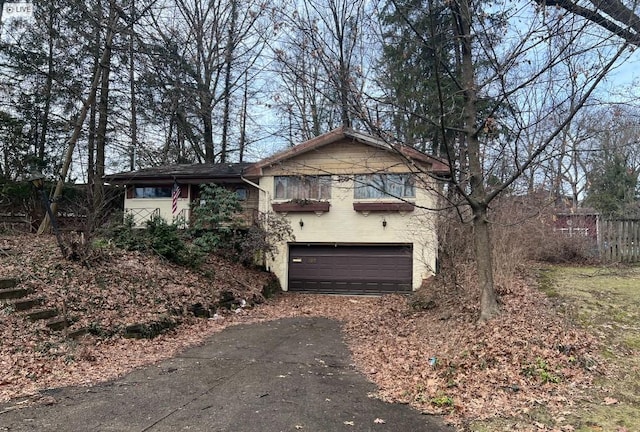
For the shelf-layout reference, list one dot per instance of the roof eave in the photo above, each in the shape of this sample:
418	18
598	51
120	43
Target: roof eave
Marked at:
202	174
171	179
437	166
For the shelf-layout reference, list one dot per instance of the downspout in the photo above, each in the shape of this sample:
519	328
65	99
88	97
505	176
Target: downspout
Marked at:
266	192
266	207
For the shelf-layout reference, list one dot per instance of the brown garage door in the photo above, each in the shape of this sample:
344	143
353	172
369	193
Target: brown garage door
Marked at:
350	269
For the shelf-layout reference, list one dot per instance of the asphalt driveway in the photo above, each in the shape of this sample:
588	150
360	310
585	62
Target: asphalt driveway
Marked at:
286	375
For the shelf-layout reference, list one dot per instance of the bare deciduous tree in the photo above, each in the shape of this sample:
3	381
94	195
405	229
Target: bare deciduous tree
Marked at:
321	65
199	52
511	59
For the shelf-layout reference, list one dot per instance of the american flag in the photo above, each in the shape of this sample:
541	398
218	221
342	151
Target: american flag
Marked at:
174	198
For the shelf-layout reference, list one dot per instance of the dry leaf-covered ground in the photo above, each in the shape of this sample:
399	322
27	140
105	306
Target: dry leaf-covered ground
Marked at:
425	350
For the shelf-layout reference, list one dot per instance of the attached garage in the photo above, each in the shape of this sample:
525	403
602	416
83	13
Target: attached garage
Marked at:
350	269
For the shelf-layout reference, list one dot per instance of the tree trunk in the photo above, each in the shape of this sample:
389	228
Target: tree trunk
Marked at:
615	9
103	119
243	119
206	111
48	83
91	147
227	81
132	90
344	67
91	135
484	264
478	197
68	158
209	154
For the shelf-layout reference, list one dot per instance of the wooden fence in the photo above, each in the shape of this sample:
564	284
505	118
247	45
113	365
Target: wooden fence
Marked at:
16	222
619	240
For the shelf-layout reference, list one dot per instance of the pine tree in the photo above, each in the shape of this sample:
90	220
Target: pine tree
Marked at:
420	66
613	188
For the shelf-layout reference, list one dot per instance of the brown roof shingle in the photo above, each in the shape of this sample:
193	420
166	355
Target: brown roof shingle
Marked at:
186	173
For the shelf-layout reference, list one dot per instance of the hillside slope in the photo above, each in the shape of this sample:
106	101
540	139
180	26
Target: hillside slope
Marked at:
116	292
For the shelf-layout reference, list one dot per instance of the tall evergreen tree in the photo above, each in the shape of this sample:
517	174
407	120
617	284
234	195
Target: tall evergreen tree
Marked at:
613	189
34	76
420	64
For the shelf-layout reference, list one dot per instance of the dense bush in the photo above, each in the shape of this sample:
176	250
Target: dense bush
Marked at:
261	239
522	233
159	238
563	249
212	225
212	229
215	228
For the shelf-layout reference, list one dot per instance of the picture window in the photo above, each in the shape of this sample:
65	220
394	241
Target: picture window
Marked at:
370	186
303	187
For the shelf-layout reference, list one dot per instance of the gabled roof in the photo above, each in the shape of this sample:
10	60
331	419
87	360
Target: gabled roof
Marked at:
186	173
437	166
221	172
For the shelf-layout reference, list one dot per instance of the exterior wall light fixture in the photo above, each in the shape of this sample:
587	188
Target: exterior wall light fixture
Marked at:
301	223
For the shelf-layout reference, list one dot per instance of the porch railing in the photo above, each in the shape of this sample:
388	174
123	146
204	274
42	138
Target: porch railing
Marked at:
182	218
141	215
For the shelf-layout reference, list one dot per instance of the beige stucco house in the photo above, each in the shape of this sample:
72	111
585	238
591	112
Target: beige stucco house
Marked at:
360	209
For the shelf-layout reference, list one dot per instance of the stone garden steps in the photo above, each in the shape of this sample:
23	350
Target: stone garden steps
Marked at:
13	293
18	300
24	304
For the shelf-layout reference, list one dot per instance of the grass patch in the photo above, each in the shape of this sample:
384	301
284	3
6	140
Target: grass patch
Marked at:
442	401
606	302
547	282
633	342
607	418
540	370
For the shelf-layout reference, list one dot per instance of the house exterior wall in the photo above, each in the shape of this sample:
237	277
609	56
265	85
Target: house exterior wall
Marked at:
342	224
344	157
142	209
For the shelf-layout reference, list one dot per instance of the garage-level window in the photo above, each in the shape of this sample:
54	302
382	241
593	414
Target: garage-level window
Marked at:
152	192
303	187
384	186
